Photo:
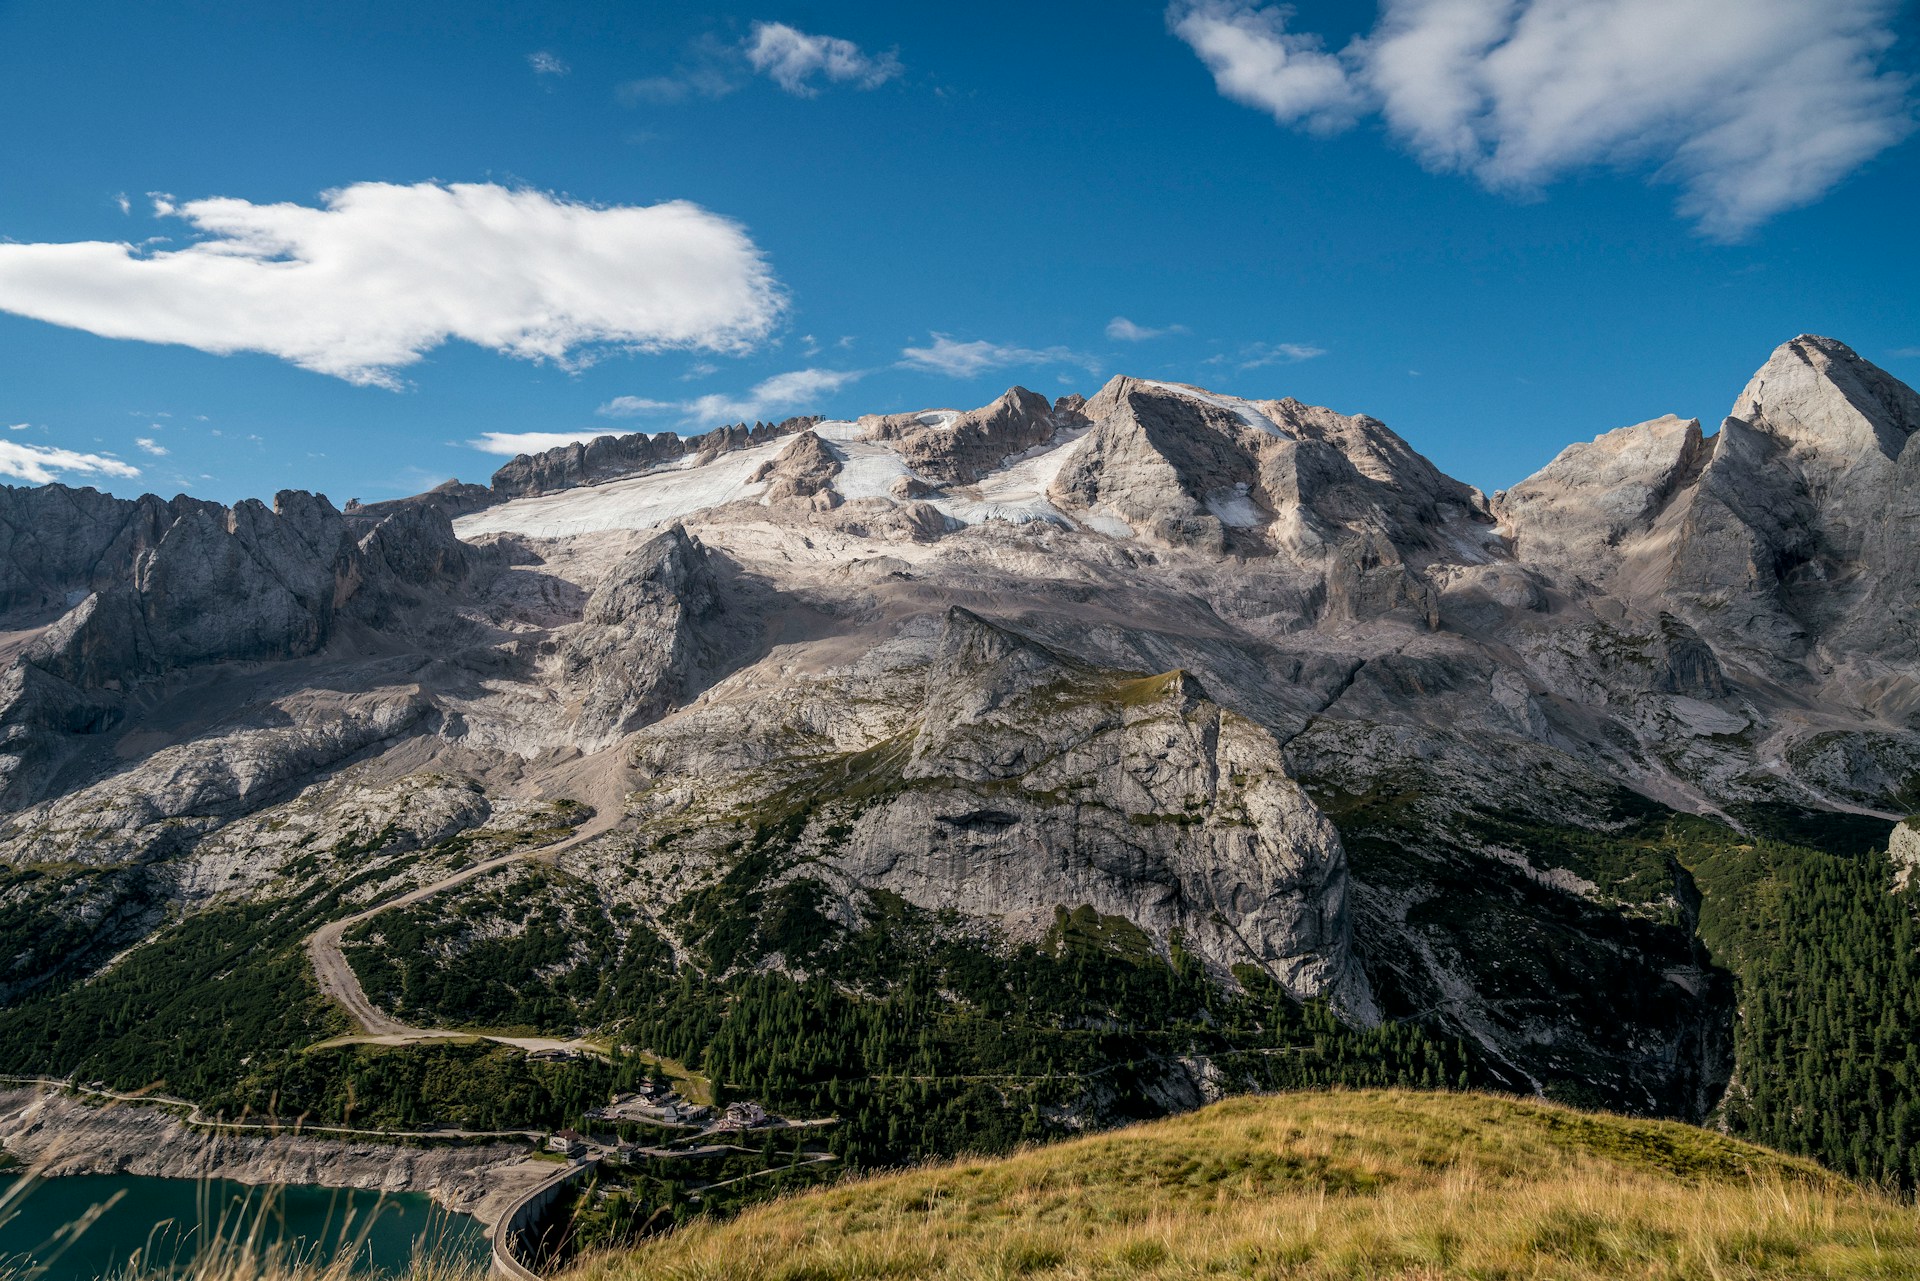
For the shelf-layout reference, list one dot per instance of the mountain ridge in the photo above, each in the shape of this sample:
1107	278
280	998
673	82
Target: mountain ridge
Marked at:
1251	677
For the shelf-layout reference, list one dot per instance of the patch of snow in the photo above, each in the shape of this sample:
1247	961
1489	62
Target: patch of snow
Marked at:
1474	544
1018	491
936	418
867	470
1245	412
1234	508
638	502
1104	520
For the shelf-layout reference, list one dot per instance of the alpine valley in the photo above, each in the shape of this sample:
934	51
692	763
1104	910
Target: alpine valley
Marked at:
982	777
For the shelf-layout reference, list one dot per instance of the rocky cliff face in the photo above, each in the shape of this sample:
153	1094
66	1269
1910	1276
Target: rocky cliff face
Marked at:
1030	781
948	448
199	584
1250	674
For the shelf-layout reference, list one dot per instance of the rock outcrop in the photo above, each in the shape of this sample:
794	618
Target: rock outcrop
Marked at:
950	448
205	584
648	630
1032	781
1575	515
802	473
1783	537
1904	848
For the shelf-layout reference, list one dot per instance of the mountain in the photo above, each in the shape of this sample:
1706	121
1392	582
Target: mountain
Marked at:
1123	751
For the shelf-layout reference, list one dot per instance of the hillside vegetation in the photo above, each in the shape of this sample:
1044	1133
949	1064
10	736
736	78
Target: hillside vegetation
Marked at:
1323	1185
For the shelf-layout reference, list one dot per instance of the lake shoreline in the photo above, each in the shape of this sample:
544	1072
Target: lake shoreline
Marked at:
51	1133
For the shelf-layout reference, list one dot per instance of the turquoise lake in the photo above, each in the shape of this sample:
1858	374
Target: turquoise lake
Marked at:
88	1226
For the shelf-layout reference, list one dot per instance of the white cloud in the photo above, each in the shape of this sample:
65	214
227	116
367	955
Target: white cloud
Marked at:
1751	106
965	359
628	406
791	58
381	274
42	464
796	389
1120	329
1258	355
1279	353
120	199
545	63
151	445
24	426
510	444
1257	62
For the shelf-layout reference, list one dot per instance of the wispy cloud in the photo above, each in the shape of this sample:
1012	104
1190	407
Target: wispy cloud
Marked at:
151	446
510	444
795	390
1120	329
630	406
380	274
1751	106
546	63
965	359
42	464
1260	354
791	58
683	83
120	200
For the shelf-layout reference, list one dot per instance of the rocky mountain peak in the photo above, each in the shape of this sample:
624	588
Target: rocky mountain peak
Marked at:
948	447
1828	404
1575	513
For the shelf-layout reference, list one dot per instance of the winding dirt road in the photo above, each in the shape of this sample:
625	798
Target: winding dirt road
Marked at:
338	980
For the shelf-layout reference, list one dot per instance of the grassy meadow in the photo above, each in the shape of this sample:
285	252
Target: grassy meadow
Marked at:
1340	1184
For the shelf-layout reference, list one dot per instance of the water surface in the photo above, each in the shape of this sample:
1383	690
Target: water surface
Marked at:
88	1226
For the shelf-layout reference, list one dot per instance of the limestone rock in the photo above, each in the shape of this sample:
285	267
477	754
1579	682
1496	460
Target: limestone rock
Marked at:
1040	783
803	473
647	631
951	448
1573	515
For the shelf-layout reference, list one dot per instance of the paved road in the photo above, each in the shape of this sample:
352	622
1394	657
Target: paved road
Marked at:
338	980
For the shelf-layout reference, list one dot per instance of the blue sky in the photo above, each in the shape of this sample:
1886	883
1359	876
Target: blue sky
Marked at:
1498	225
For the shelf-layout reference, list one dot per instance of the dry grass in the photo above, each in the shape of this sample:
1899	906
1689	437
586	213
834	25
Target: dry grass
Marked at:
1323	1185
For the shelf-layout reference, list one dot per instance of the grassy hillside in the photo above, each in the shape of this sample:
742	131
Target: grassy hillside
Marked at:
1323	1185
